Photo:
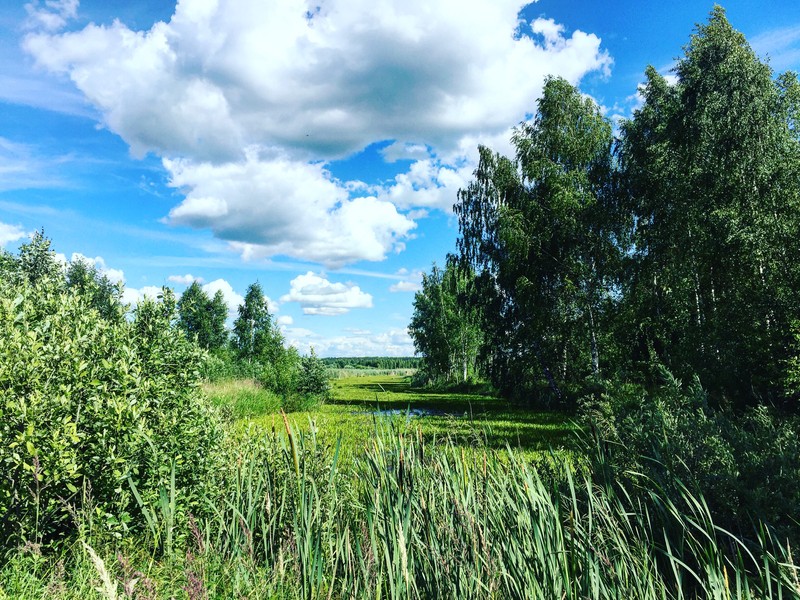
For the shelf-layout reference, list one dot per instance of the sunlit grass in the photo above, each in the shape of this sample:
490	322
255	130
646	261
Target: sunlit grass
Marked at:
469	420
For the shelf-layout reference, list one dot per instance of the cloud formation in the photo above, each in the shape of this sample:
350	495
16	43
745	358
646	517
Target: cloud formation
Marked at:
10	233
318	296
411	281
247	101
265	206
99	263
184	279
51	15
393	342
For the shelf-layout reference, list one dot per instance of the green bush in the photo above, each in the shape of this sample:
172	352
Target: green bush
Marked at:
89	403
746	466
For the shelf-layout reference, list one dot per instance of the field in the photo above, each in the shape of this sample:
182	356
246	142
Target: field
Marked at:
359	403
387	491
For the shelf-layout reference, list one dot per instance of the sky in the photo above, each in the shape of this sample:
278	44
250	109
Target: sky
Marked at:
314	147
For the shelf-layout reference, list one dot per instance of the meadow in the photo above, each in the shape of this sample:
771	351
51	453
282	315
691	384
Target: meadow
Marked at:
356	402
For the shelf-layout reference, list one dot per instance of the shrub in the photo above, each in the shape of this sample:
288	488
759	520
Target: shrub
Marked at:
746	466
89	403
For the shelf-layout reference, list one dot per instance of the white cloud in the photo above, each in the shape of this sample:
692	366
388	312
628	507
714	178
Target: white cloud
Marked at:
285	320
246	101
394	342
133	296
399	151
232	299
410	282
318	296
51	15
279	206
99	263
222	75
428	183
184	279
11	233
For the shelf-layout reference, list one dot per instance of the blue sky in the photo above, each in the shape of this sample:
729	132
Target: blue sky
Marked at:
314	147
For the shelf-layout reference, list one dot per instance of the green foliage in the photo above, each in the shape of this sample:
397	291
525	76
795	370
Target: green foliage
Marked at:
103	295
313	377
541	236
444	327
710	166
372	362
203	318
89	403
409	520
255	336
747	467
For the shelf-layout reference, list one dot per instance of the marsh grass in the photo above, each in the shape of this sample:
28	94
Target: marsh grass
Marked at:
242	398
398	508
411	519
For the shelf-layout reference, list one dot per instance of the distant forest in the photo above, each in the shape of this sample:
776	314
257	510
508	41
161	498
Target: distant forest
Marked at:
373	362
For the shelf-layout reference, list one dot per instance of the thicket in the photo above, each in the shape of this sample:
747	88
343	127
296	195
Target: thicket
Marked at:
597	255
94	405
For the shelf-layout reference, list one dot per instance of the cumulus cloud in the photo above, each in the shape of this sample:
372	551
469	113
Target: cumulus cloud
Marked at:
51	15
318	296
411	281
10	233
184	279
274	205
99	263
247	101
394	342
222	75
285	320
133	296
232	298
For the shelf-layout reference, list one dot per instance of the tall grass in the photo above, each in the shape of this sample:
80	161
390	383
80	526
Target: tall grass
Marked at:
408	519
413	521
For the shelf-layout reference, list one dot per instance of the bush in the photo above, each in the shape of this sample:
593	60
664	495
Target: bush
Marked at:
89	403
746	466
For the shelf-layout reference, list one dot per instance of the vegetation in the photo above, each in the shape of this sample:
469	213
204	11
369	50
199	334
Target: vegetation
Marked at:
372	362
588	258
642	285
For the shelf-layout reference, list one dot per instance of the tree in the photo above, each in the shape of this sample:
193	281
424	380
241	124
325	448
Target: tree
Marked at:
255	336
36	261
712	168
445	327
541	233
203	318
104	295
312	378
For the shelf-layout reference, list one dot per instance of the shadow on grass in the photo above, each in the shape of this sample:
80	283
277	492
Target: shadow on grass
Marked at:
459	415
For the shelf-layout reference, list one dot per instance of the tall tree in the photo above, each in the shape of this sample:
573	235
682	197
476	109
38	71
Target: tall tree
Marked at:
712	165
103	295
445	329
203	318
255	335
540	233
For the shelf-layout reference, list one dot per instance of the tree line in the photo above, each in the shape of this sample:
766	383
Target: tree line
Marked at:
671	242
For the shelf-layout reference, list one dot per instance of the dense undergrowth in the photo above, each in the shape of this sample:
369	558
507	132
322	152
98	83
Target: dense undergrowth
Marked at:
409	520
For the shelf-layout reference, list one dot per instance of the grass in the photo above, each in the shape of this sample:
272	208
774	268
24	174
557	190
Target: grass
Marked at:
407	520
469	420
